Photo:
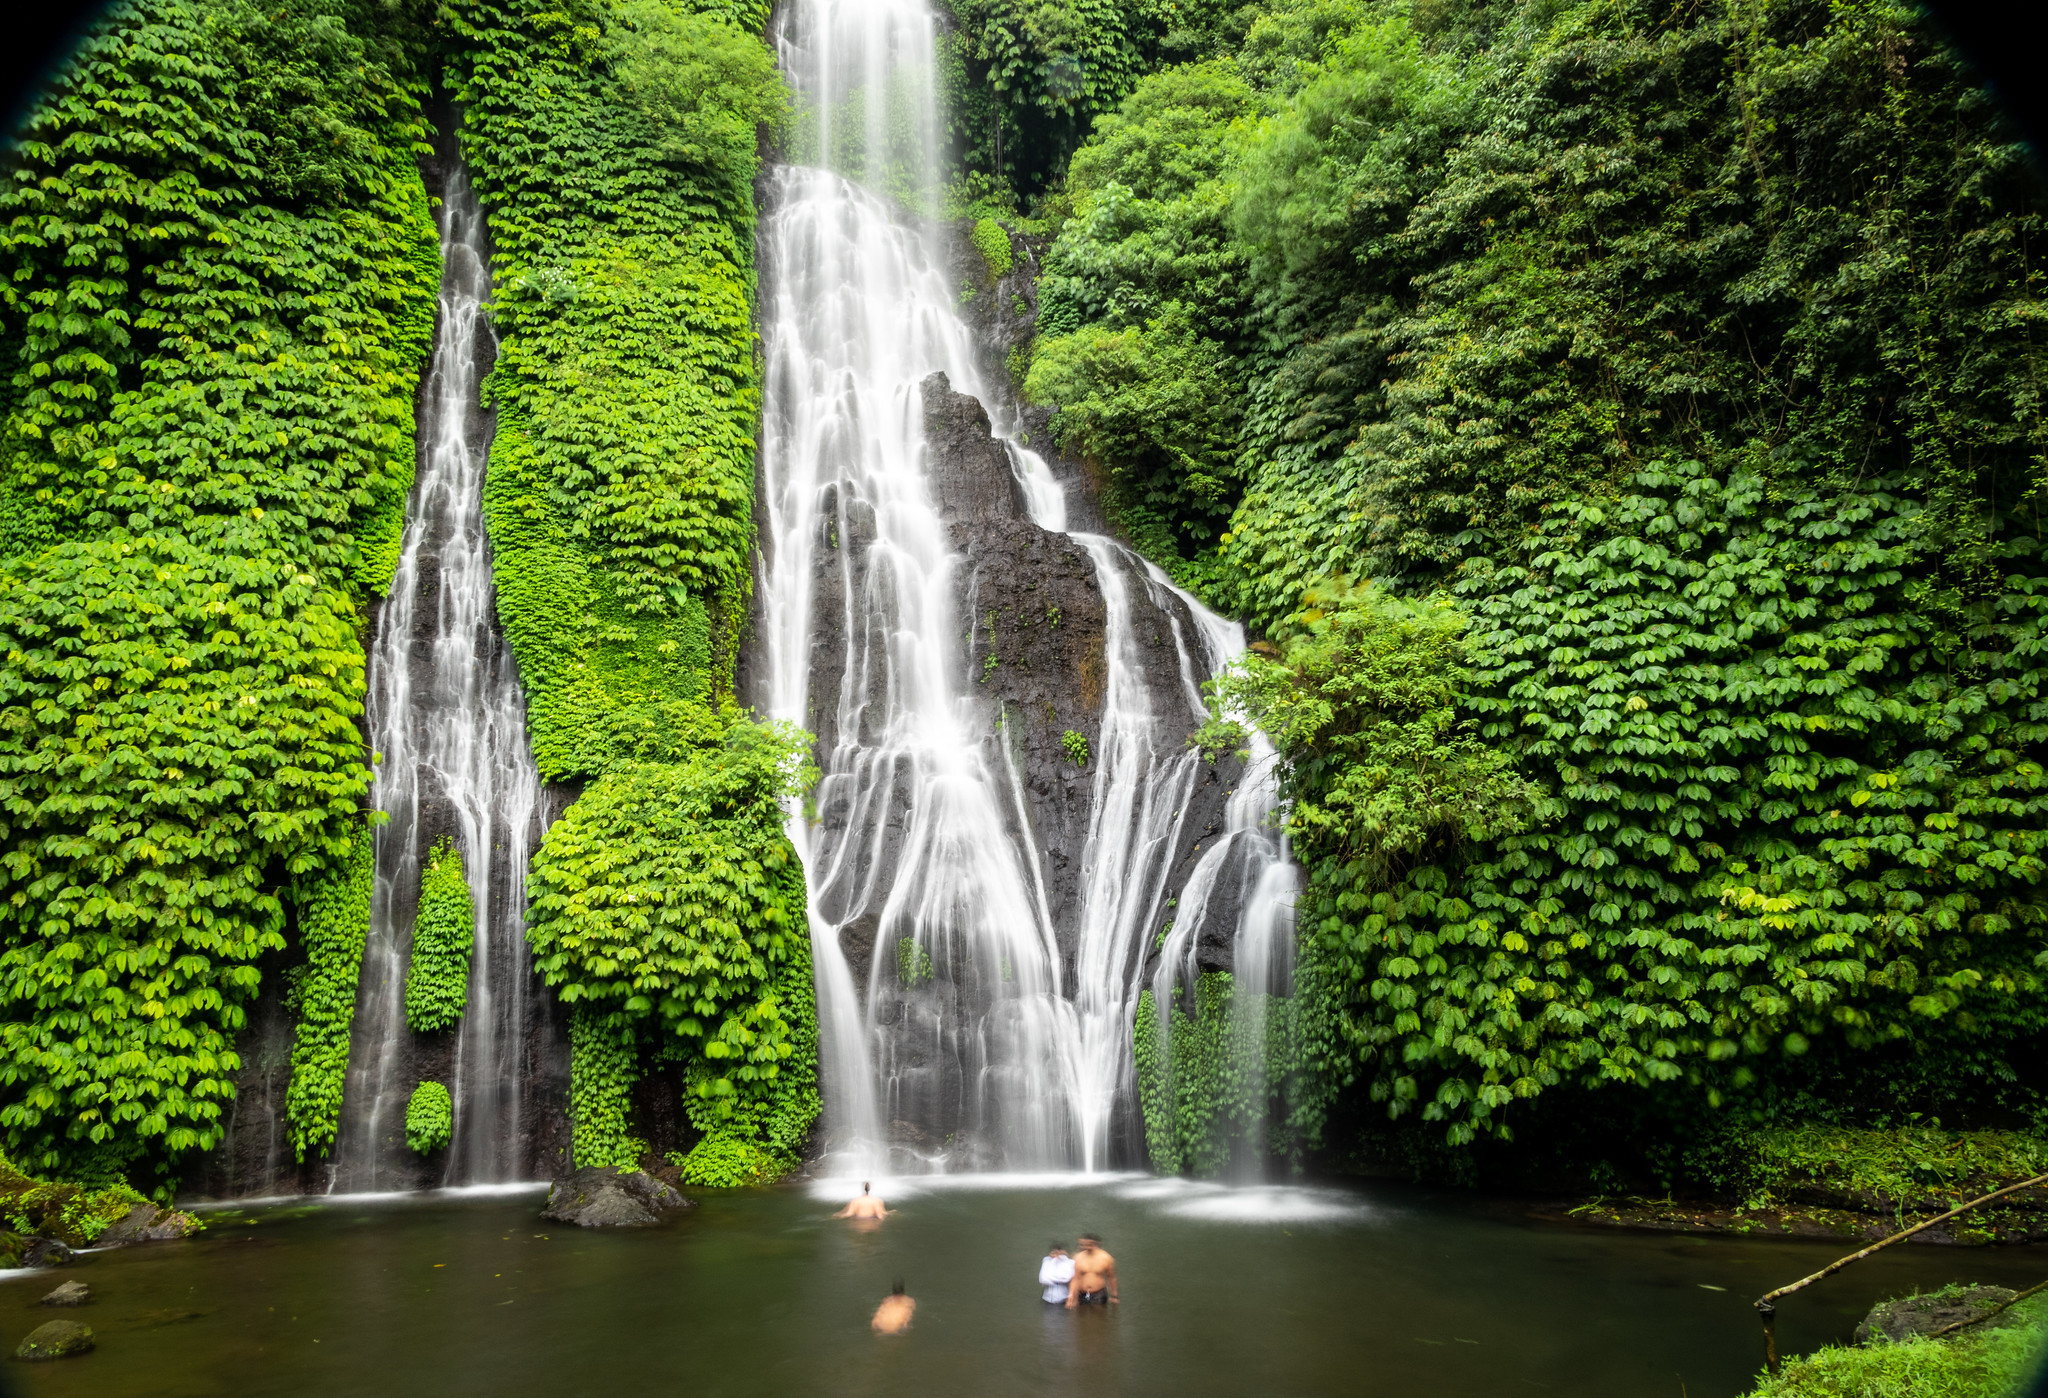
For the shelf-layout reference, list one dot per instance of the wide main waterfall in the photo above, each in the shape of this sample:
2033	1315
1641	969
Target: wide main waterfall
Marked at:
977	985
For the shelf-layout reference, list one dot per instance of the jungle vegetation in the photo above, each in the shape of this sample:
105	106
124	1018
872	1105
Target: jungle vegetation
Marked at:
1624	425
1620	423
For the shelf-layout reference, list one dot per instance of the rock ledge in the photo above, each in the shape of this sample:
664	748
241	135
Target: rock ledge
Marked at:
599	1196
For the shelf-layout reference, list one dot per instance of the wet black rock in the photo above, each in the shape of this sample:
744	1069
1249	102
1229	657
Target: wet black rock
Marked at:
599	1196
56	1339
1891	1321
44	1252
145	1223
71	1293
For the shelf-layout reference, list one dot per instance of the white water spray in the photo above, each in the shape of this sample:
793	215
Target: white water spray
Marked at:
913	854
447	717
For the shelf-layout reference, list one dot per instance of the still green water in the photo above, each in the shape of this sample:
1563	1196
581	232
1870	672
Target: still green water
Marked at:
1381	1291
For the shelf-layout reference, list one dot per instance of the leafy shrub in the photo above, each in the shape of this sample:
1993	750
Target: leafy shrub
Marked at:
443	935
726	1160
703	84
1076	746
429	1118
994	246
334	921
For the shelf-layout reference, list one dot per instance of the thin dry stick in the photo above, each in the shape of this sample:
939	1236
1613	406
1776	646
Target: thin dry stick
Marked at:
1834	1267
1976	1319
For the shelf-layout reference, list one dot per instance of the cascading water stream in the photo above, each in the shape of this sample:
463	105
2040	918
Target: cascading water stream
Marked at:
448	719
922	848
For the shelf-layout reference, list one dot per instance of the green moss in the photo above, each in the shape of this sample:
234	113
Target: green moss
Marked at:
429	1118
443	935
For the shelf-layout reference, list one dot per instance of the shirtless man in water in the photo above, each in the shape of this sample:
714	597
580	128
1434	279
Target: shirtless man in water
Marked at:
892	1317
1094	1275
867	1206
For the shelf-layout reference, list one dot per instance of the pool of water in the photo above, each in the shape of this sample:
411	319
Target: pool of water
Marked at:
1378	1291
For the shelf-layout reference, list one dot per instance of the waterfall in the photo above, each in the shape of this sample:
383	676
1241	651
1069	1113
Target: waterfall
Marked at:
981	1009
449	723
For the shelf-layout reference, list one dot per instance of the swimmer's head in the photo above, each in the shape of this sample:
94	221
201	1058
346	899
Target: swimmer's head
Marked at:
863	1186
1089	1240
1057	1246
897	1290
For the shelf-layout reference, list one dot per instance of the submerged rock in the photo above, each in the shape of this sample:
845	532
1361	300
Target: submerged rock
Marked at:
146	1223
1890	1321
71	1293
56	1339
599	1196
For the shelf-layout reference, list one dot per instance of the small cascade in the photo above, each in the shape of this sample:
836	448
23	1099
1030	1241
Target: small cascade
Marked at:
976	994
447	717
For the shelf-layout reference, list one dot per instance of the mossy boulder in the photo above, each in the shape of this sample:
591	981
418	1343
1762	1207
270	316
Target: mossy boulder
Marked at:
56	1339
1892	1321
601	1197
73	1214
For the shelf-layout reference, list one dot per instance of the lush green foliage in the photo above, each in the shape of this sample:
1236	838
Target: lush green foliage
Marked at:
668	901
70	1213
603	1066
1217	1081
994	246
443	933
333	922
1985	1360
728	1160
219	288
699	81
429	1118
1022	79
1075	744
1687	362
614	146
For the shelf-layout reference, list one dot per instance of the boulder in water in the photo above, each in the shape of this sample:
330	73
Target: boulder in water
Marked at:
56	1339
43	1252
1891	1321
146	1223
71	1293
599	1196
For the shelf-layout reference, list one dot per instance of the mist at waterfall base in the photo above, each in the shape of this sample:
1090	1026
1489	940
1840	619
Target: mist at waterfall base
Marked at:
1392	1292
1002	1023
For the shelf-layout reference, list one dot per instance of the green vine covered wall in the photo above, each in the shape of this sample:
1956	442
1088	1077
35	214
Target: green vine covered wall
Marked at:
219	288
334	922
614	147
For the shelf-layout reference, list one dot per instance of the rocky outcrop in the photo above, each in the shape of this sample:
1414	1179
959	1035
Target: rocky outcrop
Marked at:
71	1293
1891	1321
146	1223
56	1339
599	1196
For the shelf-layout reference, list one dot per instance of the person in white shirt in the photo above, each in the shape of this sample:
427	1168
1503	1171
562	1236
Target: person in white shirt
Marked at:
1054	1274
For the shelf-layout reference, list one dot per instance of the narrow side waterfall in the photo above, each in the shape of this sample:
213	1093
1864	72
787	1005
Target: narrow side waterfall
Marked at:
448	720
978	968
